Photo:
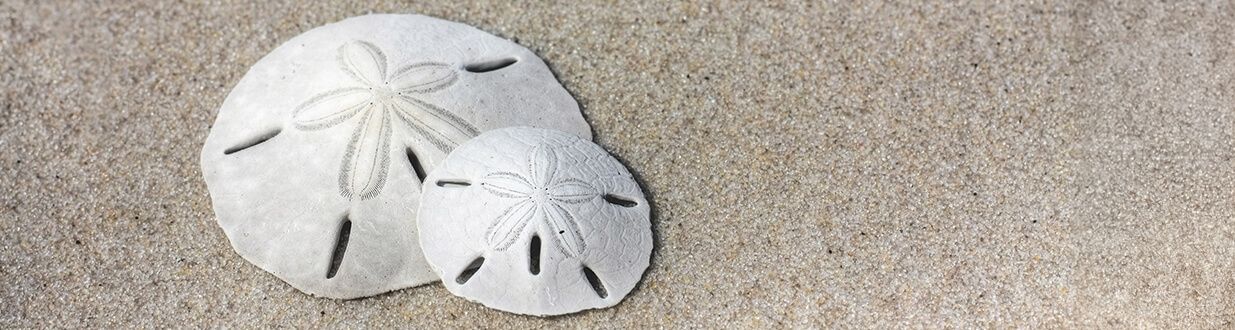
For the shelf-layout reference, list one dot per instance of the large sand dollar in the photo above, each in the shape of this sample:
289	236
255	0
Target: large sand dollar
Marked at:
315	161
535	221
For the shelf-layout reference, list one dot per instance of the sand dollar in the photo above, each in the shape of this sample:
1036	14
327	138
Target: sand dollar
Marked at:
315	160
535	221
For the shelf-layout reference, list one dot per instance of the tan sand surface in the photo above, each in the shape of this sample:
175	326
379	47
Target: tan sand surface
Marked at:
860	164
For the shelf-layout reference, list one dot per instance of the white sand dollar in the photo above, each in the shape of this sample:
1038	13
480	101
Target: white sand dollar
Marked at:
535	221
315	160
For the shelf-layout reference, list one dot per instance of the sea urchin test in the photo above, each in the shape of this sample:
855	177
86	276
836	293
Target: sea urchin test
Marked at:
315	161
535	221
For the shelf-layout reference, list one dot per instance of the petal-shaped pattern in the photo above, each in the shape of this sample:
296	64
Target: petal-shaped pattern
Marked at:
330	108
542	165
423	78
507	227
440	127
507	184
569	239
572	191
367	158
363	61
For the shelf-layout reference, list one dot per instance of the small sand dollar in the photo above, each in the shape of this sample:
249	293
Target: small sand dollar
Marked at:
315	160
535	221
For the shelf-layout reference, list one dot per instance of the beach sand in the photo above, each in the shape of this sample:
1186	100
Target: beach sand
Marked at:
809	164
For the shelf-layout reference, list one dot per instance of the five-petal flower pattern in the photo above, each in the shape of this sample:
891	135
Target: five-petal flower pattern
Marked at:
543	195
377	97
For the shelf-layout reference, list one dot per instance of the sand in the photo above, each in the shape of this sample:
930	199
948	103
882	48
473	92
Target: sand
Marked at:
810	164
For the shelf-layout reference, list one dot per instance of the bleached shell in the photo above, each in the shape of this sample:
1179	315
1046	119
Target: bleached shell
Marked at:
496	194
319	132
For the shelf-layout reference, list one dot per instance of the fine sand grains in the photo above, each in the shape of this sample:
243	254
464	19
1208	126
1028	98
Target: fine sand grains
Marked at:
858	165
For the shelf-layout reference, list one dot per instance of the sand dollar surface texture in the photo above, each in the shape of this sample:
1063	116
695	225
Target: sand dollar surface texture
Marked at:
535	221
315	160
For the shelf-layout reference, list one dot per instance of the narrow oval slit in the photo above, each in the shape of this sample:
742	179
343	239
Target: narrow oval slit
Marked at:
594	281
450	183
340	247
416	166
470	270
620	201
256	140
534	255
490	65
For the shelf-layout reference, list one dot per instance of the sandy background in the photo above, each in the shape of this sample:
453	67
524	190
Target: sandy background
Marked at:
810	164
